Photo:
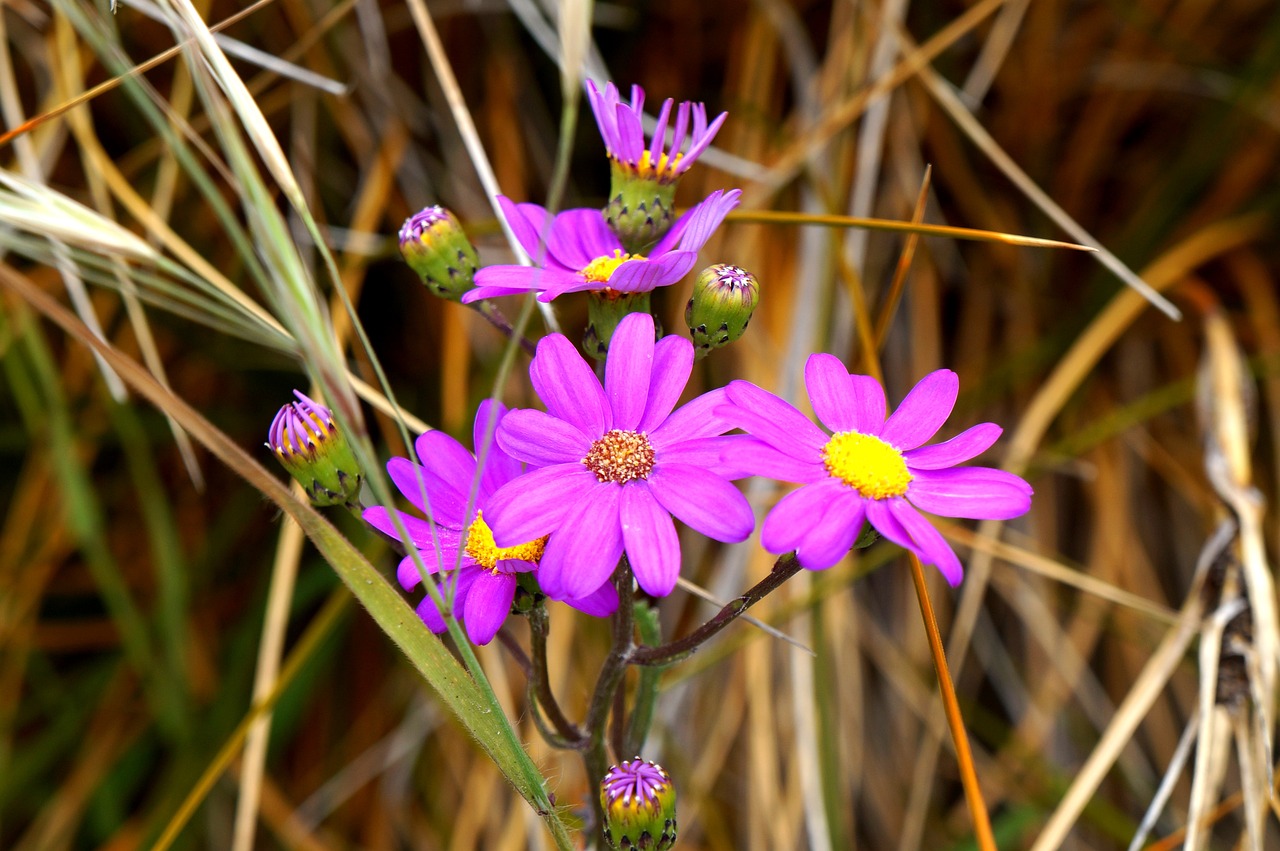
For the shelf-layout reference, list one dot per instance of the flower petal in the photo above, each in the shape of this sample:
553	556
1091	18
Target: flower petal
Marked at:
581	555
701	223
797	514
929	543
650	539
831	538
487	605
496	466
703	501
831	393
628	369
541	439
868	404
568	387
534	504
924	410
742	456
979	493
699	417
579	236
529	222
434	496
498	281
763	415
441	454
600	603
420	531
672	363
640	276
970	443
407	573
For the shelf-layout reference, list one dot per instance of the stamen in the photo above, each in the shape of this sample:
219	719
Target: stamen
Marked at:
620	456
487	554
867	464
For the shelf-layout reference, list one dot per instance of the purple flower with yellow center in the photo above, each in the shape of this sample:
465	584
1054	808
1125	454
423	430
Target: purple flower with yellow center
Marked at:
644	173
639	803
870	468
577	252
458	547
615	463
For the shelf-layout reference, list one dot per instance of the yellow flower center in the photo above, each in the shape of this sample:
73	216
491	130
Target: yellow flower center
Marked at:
487	554
601	269
620	456
867	464
666	165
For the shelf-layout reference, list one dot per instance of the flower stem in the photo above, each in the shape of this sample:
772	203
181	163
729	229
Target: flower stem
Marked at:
596	756
650	630
783	569
968	777
498	320
540	680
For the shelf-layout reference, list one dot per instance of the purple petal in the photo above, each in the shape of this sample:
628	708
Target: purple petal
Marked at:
430	615
700	222
672	363
764	415
456	585
799	512
677	136
640	276
979	493
568	387
600	603
487	605
660	134
541	439
534	504
831	537
868	404
441	454
497	467
580	236
703	501
407	573
702	137
650	539
529	222
968	444
742	456
628	368
420	531
929	543
720	456
498	281
581	555
671	238
923	412
630	134
831	392
699	417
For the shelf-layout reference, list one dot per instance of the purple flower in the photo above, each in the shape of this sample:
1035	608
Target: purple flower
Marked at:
870	468
639	804
616	463
485	578
623	133
577	251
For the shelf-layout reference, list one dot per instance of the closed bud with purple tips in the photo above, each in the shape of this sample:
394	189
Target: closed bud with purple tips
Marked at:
308	443
639	803
724	297
434	244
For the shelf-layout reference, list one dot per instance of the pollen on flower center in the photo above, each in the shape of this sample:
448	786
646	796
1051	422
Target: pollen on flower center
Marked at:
601	269
665	166
487	554
867	464
620	456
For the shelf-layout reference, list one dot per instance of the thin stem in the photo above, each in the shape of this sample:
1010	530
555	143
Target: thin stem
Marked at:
783	569
540	681
596	757
650	630
968	777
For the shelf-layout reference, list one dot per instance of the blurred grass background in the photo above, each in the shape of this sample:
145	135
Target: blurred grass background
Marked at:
133	588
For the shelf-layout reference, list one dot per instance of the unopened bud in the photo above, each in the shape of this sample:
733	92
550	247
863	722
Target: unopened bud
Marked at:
639	803
434	244
724	298
641	208
308	443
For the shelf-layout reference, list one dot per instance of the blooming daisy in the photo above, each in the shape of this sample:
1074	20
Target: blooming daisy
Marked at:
623	133
870	468
582	254
485	575
615	463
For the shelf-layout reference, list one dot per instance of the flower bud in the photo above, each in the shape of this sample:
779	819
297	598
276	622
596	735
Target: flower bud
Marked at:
724	298
639	803
309	445
605	309
433	243
641	208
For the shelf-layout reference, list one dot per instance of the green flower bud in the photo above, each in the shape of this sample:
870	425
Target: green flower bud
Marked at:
605	309
641	209
724	298
309	445
639	803
433	243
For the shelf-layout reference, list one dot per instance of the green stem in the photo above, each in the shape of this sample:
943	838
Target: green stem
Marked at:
540	682
783	569
650	630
